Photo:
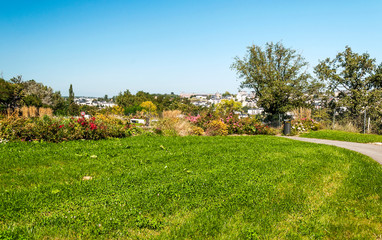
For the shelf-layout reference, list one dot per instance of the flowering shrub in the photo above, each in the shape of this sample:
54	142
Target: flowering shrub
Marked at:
202	120
210	123
234	124
61	129
197	131
304	125
249	125
193	119
216	127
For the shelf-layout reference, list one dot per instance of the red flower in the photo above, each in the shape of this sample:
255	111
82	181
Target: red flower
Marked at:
93	126
61	126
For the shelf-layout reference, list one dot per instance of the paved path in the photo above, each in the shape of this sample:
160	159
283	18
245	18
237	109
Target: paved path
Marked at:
373	151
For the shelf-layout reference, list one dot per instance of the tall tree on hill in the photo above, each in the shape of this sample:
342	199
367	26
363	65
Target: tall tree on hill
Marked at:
356	77
11	92
278	76
71	95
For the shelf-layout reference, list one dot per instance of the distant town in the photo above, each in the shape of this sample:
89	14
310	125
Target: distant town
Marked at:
248	100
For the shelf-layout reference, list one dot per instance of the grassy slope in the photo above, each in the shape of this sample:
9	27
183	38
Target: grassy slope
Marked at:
343	136
190	187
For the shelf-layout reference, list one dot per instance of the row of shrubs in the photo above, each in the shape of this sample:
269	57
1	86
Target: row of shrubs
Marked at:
172	123
210	124
54	129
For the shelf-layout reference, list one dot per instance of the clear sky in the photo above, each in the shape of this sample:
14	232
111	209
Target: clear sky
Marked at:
162	46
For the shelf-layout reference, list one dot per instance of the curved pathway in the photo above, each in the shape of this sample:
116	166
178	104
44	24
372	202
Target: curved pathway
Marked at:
373	151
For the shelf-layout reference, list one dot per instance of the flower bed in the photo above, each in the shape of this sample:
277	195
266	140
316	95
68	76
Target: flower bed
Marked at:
63	129
231	124
304	125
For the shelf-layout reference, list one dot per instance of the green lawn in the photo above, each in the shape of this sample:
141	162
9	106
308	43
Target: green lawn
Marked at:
343	136
238	187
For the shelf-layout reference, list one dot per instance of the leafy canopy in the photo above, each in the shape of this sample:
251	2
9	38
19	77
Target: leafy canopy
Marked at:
228	106
277	74
148	106
355	76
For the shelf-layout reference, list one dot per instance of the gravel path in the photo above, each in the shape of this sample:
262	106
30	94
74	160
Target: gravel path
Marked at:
371	150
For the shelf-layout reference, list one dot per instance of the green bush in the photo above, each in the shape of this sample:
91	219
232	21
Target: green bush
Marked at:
304	125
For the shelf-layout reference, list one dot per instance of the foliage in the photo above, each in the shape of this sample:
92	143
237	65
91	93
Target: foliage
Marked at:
249	125
227	106
198	131
71	95
16	93
278	76
32	100
36	94
132	103
226	94
10	93
62	129
304	125
125	99
148	107
173	125
117	110
321	115
238	187
131	110
74	109
233	124
355	76
344	136
216	128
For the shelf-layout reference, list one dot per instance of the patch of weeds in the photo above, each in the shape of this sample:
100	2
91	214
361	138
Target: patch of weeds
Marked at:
251	235
149	223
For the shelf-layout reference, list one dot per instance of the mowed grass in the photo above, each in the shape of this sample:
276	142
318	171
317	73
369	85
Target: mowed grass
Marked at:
343	136
239	187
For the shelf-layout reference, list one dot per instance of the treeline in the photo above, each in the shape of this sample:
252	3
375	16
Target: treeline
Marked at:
347	87
17	93
132	103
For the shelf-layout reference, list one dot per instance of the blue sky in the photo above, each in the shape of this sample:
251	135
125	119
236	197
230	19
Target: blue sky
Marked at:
104	47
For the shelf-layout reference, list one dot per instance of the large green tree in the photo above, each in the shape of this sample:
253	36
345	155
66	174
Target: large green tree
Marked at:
355	76
11	92
277	74
6	93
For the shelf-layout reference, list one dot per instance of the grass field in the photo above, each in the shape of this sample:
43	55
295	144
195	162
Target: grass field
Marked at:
239	187
343	136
